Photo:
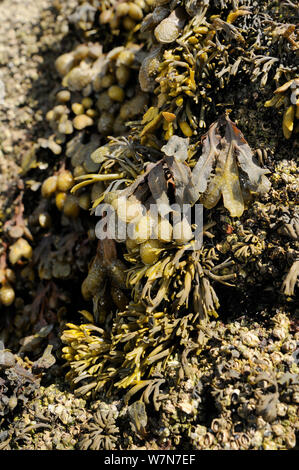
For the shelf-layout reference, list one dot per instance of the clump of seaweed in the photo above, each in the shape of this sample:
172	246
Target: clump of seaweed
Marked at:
202	48
101	431
128	130
286	96
171	278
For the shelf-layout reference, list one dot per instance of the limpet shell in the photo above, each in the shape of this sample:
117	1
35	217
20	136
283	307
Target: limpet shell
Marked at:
169	29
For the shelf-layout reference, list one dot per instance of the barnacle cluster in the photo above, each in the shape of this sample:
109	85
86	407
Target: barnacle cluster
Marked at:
240	393
146	120
49	421
268	238
17	383
253	413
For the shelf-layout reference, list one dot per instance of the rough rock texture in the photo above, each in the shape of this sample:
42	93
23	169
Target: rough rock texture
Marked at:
30	40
